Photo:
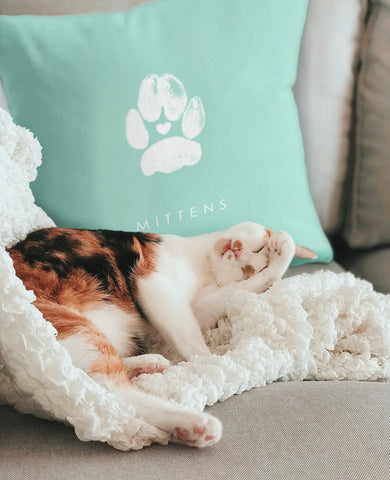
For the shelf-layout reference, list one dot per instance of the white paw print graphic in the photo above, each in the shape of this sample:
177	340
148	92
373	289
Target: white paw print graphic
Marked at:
167	93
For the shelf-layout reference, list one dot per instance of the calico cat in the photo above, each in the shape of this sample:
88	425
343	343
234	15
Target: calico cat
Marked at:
102	290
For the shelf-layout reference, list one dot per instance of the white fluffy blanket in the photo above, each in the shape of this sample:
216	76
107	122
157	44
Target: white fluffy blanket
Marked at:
322	326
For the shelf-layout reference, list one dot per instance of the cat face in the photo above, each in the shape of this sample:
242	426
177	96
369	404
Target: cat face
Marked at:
240	252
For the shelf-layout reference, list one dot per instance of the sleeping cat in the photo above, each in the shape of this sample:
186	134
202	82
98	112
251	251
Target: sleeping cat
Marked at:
103	290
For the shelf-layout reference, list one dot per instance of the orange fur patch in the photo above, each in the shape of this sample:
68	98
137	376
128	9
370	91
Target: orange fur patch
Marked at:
219	245
147	257
111	366
248	271
237	245
68	323
80	290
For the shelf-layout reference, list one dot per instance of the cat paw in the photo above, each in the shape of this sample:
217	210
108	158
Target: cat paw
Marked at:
148	363
281	244
203	431
159	97
281	249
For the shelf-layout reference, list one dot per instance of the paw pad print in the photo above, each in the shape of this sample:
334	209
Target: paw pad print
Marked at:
165	95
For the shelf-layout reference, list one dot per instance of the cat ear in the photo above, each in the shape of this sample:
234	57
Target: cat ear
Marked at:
303	252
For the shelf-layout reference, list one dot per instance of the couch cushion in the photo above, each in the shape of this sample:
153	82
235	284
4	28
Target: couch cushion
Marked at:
297	430
314	267
368	219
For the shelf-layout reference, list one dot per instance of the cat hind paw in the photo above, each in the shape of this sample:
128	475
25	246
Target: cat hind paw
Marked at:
148	363
201	433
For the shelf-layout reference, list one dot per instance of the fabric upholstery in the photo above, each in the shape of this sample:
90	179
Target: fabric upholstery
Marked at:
368	217
70	7
324	94
297	430
372	265
313	267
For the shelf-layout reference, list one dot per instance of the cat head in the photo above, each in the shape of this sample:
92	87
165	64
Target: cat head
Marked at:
241	252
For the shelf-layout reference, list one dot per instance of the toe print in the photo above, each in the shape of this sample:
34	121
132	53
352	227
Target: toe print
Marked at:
194	118
173	96
149	100
164	99
137	135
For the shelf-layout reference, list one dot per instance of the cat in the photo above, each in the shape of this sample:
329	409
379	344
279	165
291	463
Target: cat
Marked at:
103	290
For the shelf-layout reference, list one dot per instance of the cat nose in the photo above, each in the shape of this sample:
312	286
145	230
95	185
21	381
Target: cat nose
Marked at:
237	252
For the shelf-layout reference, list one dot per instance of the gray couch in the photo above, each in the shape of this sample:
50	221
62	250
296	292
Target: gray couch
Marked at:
296	430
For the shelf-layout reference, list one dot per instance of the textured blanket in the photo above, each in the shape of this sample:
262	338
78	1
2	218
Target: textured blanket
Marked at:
322	326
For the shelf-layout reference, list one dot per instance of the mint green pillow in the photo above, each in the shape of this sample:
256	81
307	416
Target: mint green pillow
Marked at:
174	117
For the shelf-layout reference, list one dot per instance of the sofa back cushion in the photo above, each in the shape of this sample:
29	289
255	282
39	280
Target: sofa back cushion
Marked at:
324	92
368	214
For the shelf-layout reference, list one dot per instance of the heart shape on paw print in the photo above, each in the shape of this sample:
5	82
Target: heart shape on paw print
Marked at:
163	128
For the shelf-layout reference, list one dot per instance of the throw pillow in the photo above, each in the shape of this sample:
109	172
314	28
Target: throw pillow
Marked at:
174	117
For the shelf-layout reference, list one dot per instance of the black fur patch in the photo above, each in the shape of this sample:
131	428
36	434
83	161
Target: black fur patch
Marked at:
61	253
121	244
97	266
38	248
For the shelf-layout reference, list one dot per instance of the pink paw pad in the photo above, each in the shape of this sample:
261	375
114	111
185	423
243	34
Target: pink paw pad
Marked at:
192	437
199	430
182	434
150	368
155	368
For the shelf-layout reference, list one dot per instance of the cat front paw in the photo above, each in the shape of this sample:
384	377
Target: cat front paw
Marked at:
281	249
281	245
